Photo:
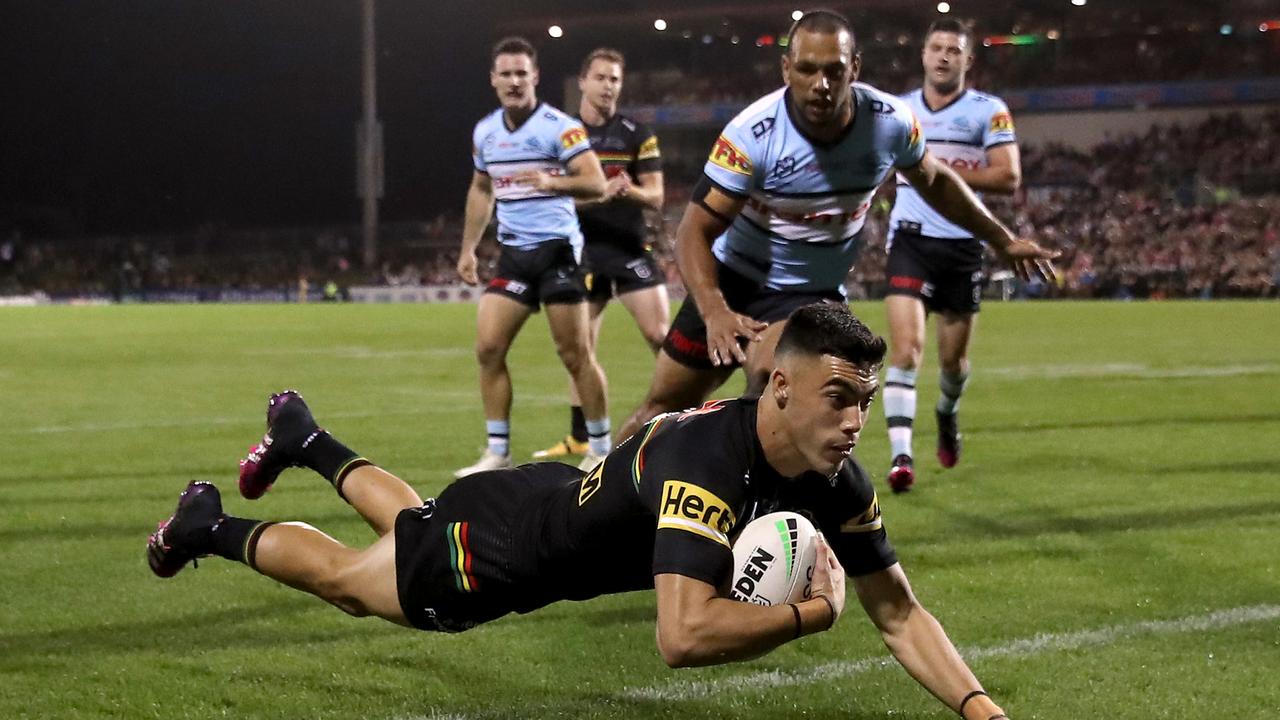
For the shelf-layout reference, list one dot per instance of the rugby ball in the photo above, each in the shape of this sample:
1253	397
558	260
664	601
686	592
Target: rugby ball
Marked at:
773	560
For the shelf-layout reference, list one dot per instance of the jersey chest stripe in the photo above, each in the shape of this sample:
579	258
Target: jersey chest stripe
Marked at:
543	159
823	193
526	199
965	143
775	236
637	464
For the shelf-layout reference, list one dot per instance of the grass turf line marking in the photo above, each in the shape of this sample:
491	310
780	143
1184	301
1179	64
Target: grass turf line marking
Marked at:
1041	643
1128	370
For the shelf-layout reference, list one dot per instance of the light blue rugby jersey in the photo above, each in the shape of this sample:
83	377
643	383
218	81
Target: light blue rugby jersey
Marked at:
806	201
546	141
959	135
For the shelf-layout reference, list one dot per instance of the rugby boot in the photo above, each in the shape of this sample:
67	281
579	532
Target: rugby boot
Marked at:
488	461
568	446
948	440
902	475
289	427
187	534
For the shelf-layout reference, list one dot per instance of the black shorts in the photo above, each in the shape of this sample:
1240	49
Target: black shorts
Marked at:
457	555
686	342
945	274
613	270
544	274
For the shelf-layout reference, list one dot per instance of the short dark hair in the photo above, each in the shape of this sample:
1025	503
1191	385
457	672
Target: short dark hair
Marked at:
830	329
821	20
950	25
602	53
514	45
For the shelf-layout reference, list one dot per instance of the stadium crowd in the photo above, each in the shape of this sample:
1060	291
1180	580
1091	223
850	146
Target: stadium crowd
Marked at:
1182	211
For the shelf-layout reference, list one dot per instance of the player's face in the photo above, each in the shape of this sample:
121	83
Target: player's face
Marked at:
601	85
514	77
828	400
946	58
819	68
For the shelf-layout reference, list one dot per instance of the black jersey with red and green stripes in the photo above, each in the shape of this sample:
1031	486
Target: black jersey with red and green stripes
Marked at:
623	146
669	500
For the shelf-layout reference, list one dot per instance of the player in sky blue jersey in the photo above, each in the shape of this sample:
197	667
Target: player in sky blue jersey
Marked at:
774	220
531	160
936	265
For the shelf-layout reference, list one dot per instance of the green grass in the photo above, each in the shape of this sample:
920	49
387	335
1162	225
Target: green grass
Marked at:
1122	466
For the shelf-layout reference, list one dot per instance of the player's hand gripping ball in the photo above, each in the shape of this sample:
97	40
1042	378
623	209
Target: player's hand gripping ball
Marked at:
773	560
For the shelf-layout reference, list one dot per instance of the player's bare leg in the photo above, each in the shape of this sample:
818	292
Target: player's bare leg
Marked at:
575	443
675	386
906	351
359	582
651	309
955	331
378	496
571	332
498	320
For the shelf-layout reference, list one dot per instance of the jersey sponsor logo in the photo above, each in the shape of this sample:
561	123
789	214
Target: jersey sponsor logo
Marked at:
572	137
784	167
515	287
727	155
590	483
881	108
868	521
744	590
1001	122
696	510
762	128
648	149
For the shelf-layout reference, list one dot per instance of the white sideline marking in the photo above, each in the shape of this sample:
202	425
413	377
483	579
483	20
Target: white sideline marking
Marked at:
1045	642
455	401
360	352
1132	370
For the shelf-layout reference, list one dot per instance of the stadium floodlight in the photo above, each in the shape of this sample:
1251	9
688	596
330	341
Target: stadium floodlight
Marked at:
1079	3
1226	29
797	14
659	24
1053	34
944	7
555	31
735	40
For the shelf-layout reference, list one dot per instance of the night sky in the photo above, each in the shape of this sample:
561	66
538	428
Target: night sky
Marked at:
149	115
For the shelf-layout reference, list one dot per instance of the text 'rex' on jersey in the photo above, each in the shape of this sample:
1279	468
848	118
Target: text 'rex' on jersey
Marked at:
805	200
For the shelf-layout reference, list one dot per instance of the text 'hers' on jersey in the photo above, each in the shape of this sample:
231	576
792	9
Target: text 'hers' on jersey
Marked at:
545	142
959	135
805	201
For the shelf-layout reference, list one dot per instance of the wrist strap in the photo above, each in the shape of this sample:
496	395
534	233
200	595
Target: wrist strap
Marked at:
971	696
832	607
796	612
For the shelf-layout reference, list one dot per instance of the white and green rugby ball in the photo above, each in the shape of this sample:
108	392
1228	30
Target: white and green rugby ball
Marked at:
773	560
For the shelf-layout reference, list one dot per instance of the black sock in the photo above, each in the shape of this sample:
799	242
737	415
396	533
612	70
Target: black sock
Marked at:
237	538
578	422
324	454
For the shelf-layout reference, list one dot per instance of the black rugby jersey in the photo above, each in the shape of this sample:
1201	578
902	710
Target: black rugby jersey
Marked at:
667	500
623	146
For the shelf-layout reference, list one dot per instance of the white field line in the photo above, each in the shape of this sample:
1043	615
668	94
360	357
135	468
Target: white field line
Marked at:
1037	644
450	402
1127	370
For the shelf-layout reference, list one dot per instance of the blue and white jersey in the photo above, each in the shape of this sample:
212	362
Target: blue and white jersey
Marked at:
547	141
805	200
959	135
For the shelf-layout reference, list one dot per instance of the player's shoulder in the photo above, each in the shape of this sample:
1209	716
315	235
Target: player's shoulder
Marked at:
556	116
490	122
756	121
633	127
986	101
886	107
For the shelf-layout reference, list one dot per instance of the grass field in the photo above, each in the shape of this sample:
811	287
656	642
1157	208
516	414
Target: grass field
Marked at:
1109	548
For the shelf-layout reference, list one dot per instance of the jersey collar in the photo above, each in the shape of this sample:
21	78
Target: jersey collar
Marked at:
795	120
924	102
503	114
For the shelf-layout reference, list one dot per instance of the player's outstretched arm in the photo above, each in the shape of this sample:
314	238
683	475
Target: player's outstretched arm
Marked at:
943	189
918	642
478	213
707	216
697	626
